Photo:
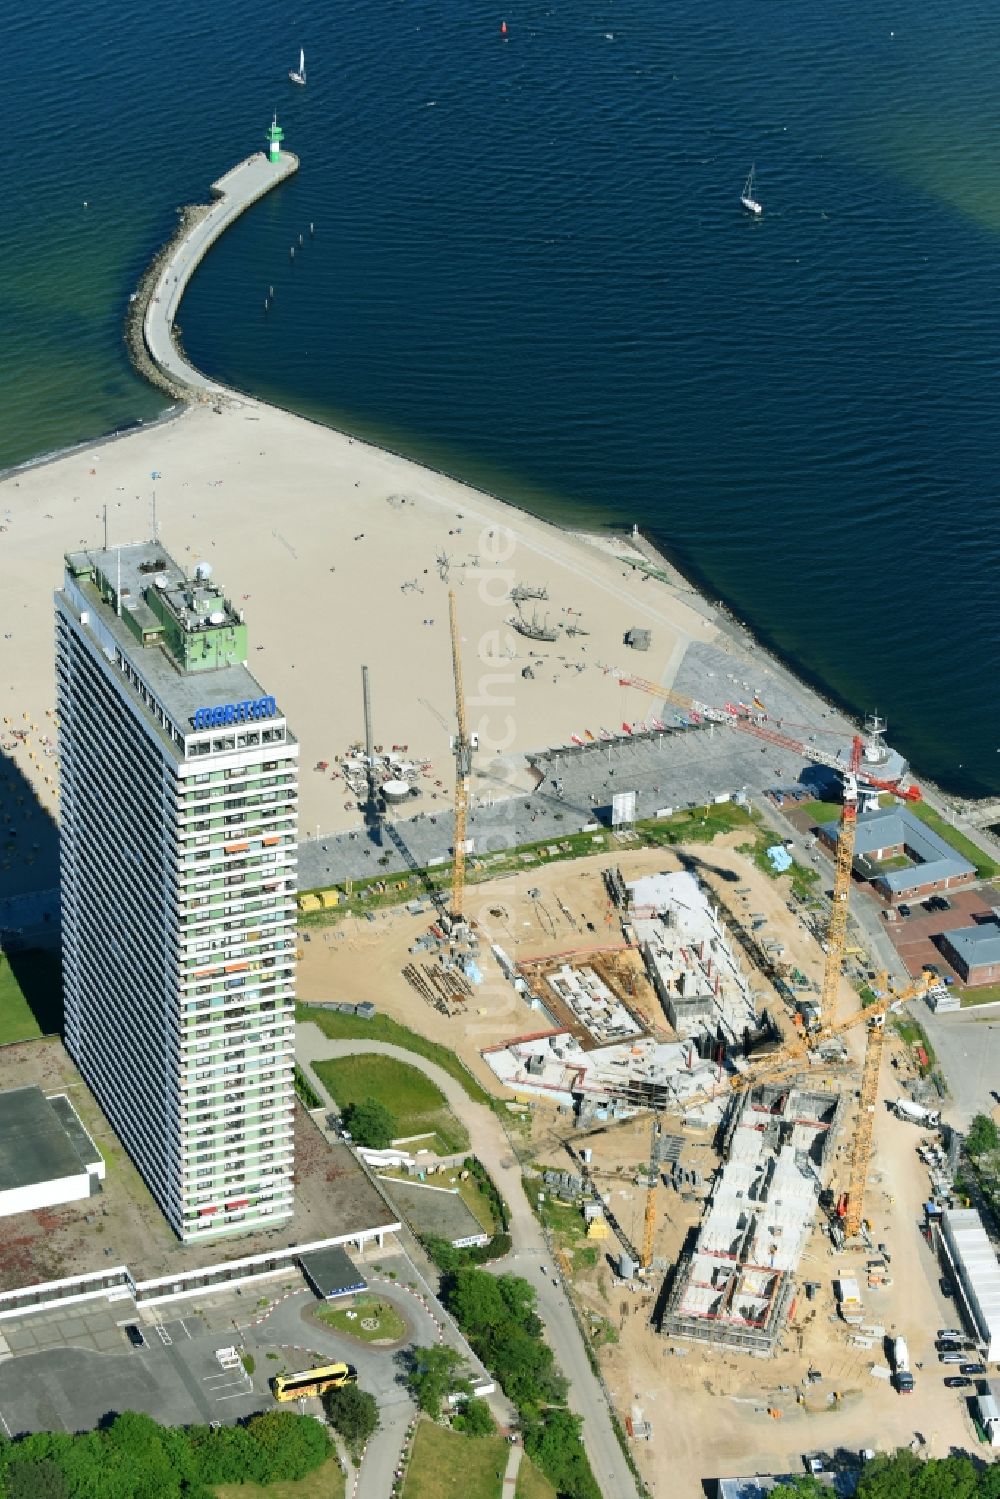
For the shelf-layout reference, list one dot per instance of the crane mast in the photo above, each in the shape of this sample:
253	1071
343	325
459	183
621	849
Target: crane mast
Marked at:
462	747
836	937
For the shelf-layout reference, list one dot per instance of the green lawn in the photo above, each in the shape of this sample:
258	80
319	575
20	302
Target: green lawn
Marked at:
819	813
417	1104
446	1464
389	1324
984	994
326	1483
341	1027
30	995
985	866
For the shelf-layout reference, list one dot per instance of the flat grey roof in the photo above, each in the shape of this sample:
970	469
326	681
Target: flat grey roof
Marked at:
430	1210
80	1140
889	826
976	944
332	1272
34	1146
180	693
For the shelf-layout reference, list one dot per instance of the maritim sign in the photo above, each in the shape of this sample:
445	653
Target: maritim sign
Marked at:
245	712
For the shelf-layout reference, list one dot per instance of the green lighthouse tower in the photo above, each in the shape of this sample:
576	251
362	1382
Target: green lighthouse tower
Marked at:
274	138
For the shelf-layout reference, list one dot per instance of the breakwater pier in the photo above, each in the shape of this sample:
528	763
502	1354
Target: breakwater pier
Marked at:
150	328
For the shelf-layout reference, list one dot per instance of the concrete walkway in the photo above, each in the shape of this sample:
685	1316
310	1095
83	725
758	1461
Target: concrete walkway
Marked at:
530	1257
510	1473
234	193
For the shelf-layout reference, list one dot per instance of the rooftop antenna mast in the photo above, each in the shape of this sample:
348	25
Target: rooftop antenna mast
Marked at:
105	527
369	747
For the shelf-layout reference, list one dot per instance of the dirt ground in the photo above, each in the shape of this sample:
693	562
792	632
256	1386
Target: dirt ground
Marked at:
356	959
708	1410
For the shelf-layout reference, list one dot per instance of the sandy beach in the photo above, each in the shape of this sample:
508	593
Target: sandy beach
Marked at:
341	553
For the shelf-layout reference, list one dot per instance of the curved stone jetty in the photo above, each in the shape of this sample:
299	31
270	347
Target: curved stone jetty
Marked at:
234	193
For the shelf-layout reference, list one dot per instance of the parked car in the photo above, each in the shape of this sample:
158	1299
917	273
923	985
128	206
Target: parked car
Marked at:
949	1332
957	1382
942	903
952	1358
134	1335
973	1369
946	1287
903	910
946	1345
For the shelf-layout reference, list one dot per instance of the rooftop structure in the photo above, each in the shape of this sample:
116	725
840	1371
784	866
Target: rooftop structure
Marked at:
977	1271
736	1285
689	960
891	833
331	1273
46	1155
178	873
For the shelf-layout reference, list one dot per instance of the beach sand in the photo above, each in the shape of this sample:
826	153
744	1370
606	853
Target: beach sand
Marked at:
332	548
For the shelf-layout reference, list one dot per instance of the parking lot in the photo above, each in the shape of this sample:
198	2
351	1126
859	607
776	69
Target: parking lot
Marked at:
913	935
69	1369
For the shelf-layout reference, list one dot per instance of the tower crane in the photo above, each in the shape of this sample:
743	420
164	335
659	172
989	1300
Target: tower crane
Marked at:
792	1057
462	746
854	772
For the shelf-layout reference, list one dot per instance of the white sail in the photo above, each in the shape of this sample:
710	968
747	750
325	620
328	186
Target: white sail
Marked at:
302	62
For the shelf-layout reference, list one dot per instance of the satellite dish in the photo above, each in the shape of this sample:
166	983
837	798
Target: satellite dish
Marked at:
217	617
203	571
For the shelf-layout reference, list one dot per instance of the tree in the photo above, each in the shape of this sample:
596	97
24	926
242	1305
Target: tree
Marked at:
474	1419
39	1480
353	1413
555	1445
983	1135
370	1123
802	1486
433	1375
285	1445
905	1476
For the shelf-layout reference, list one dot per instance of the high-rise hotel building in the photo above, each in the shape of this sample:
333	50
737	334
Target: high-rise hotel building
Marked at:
177	870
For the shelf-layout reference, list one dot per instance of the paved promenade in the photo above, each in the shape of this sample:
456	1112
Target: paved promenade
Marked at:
234	193
530	1257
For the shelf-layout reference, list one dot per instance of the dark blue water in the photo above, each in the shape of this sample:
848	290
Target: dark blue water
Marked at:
530	268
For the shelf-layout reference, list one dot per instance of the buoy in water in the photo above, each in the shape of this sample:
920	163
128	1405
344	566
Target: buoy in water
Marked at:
312	227
292	252
301	240
503	28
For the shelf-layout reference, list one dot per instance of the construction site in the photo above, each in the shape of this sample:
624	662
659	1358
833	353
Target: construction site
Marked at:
735	1287
698	1090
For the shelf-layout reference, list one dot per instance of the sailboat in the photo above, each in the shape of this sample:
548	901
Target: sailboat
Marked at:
748	200
300	75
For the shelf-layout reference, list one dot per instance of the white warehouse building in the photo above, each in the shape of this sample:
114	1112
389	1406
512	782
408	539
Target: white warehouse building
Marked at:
46	1156
977	1270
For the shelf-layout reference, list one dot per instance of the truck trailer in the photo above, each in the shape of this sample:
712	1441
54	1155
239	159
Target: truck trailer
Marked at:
905	1108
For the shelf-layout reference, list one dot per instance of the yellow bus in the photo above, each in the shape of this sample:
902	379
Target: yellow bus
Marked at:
313	1381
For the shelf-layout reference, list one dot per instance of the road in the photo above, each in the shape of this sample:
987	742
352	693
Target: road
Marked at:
288	1325
530	1258
236	191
